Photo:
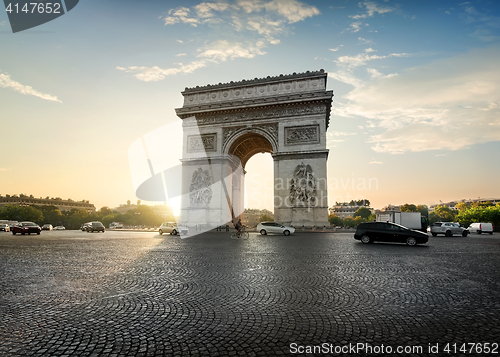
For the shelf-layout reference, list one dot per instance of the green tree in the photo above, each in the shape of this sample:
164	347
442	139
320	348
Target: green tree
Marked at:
461	206
363	212
349	222
21	213
51	215
335	220
442	213
423	209
265	218
408	208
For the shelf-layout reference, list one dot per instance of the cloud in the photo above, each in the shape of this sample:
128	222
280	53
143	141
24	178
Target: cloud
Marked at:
448	104
5	169
371	9
155	73
216	52
484	24
361	59
241	28
7	82
336	48
291	10
373	162
223	50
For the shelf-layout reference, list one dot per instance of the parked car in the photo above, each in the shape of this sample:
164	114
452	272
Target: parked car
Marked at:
47	227
481	228
448	229
59	228
84	226
173	228
26	227
4	227
95	227
274	227
370	232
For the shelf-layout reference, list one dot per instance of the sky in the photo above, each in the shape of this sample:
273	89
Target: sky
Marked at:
414	119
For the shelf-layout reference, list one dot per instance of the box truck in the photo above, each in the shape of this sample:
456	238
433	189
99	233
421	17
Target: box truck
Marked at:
412	220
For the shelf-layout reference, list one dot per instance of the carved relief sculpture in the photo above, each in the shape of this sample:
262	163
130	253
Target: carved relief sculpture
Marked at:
205	142
200	191
302	185
302	134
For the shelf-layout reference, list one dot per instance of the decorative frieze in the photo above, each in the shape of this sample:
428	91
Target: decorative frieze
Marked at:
268	113
302	134
204	142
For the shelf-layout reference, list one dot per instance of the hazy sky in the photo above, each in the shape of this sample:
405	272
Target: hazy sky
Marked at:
415	116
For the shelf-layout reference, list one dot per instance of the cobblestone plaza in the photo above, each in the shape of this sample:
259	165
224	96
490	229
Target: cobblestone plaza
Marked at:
71	293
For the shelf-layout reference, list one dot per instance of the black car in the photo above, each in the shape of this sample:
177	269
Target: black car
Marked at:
95	226
388	232
26	227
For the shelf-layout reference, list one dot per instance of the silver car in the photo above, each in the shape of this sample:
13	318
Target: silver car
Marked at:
274	227
448	229
172	228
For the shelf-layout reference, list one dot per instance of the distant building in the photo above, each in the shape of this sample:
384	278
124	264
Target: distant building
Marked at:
344	211
62	205
452	204
251	216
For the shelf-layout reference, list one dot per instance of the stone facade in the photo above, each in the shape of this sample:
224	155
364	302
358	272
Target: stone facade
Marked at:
226	124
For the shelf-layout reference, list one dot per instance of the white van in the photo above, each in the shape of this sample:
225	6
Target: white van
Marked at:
481	228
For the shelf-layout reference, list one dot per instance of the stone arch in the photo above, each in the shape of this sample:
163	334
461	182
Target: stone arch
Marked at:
246	142
225	124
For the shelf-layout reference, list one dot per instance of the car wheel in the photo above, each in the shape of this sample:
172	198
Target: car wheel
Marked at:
434	234
161	232
174	232
479	232
491	232
449	234
465	233
411	241
366	239
14	233
262	231
286	232
37	232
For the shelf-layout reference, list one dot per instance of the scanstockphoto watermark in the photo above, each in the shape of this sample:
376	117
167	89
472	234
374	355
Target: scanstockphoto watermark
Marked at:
314	195
353	183
354	349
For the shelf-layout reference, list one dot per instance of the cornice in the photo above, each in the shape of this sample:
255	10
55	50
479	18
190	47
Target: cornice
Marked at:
252	82
255	103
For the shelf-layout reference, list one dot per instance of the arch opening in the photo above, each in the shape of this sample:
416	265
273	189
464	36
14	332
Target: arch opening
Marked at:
249	144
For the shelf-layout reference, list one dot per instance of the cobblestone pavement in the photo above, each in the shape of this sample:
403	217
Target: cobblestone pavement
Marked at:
71	293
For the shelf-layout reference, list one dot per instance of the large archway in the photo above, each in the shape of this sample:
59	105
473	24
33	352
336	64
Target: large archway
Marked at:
224	125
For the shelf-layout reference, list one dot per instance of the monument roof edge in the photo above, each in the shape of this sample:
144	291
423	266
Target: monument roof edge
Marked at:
244	83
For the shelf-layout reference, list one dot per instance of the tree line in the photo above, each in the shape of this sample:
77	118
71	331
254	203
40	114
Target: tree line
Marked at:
464	213
142	215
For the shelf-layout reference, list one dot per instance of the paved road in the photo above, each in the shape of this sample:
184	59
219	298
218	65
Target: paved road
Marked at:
71	293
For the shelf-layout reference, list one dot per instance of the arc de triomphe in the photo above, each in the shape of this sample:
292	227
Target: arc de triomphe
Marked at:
224	125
